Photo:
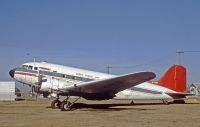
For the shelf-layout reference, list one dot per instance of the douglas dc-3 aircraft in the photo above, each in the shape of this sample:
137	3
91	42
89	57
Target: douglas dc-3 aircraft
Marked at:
70	81
67	81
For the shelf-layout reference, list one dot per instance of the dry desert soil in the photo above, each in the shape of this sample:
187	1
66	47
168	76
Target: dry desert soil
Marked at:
111	113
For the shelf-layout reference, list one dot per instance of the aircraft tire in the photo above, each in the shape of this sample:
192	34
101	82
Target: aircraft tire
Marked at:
65	106
55	104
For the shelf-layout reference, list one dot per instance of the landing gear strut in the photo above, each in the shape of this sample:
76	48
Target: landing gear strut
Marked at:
165	102
132	102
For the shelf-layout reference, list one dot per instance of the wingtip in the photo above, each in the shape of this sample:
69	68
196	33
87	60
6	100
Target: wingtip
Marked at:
152	75
148	75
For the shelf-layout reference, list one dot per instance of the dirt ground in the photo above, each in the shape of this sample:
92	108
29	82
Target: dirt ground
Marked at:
111	113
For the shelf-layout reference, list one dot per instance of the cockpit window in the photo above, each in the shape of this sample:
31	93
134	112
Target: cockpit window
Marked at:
25	66
30	67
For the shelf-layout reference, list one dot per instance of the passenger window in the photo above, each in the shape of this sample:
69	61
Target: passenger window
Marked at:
44	80
35	68
63	76
72	77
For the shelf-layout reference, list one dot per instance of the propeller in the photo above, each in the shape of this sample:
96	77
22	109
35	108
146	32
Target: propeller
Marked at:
32	90
37	86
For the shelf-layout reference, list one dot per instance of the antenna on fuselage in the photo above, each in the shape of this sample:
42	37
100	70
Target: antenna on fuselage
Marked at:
108	69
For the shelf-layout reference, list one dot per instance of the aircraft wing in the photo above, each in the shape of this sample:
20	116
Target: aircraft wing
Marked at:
179	95
112	85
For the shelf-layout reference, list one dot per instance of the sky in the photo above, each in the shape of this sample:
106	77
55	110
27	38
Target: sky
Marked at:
128	35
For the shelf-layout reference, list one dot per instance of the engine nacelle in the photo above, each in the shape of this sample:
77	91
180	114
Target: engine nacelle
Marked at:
54	84
46	86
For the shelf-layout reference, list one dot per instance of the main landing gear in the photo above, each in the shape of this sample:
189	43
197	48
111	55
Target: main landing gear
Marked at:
65	105
55	104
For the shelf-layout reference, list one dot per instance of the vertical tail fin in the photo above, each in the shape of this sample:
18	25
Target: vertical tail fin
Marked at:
174	78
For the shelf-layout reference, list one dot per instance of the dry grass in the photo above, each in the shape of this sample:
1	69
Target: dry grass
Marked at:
110	113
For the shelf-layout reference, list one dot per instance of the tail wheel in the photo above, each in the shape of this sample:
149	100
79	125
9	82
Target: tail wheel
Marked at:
132	103
66	106
55	104
165	102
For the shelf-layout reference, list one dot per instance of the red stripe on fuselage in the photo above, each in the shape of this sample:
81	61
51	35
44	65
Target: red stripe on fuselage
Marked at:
44	68
25	73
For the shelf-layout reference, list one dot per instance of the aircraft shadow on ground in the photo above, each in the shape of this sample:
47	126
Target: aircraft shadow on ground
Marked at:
115	107
108	107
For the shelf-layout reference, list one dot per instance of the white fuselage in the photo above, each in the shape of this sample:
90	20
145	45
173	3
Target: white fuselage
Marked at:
61	77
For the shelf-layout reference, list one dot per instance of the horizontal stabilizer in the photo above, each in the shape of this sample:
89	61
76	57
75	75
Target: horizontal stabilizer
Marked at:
179	95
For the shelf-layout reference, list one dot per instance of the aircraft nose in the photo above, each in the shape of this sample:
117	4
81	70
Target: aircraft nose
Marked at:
12	73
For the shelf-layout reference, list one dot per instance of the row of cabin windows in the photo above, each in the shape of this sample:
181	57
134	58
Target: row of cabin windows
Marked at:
64	76
57	74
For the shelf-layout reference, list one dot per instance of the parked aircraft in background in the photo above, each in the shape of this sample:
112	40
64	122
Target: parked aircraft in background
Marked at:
69	81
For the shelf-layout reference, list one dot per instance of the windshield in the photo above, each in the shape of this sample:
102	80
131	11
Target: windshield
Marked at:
27	67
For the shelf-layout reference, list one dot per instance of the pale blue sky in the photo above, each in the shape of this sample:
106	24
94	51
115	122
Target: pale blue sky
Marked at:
92	34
